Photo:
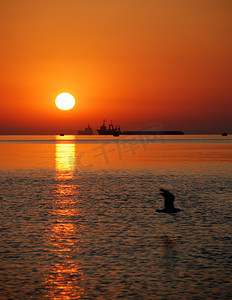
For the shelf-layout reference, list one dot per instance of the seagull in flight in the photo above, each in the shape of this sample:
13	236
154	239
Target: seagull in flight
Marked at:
168	202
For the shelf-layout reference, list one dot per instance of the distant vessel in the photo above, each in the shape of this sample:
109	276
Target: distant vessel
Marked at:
61	134
224	134
87	131
116	131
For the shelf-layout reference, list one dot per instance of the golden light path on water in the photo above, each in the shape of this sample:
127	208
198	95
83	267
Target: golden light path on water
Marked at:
79	217
65	276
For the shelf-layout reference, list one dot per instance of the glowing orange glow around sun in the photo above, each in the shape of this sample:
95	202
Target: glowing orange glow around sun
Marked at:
167	65
65	101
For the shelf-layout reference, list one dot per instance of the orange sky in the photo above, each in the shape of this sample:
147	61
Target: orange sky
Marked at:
164	63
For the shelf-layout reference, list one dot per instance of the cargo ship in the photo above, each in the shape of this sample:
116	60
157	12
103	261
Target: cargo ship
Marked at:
116	131
87	131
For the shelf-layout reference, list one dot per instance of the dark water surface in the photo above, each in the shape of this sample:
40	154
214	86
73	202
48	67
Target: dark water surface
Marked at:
79	221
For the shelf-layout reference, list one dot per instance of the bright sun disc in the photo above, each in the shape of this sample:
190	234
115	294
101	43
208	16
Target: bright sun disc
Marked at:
65	101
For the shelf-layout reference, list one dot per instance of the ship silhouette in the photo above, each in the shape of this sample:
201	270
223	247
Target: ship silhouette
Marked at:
116	131
87	131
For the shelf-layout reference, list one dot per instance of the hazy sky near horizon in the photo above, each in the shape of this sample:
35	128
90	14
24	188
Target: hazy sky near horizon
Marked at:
163	63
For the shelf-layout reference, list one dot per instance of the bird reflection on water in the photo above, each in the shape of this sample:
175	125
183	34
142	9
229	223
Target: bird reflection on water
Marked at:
168	242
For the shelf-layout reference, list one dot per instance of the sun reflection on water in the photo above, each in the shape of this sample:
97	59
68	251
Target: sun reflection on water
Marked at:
65	158
65	234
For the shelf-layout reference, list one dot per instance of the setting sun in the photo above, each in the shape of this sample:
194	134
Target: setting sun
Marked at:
65	101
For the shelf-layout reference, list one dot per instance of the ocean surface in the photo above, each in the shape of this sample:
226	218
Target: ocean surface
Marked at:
79	220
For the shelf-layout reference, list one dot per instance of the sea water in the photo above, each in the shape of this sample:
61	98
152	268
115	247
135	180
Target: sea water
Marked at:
79	220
